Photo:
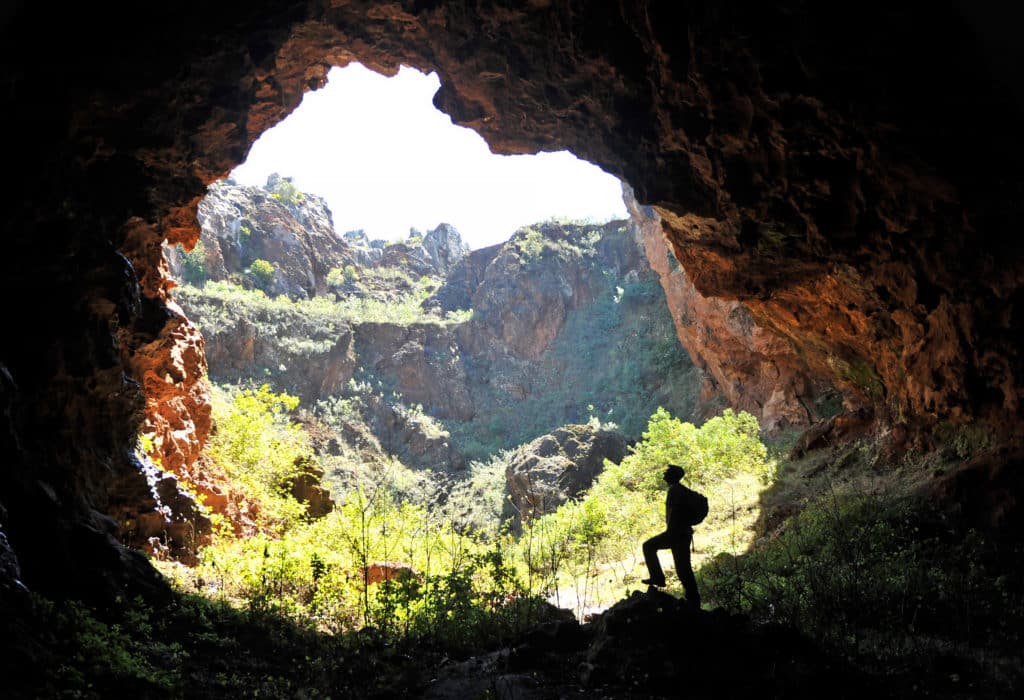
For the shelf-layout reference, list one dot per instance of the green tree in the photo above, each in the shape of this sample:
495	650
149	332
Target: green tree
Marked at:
722	447
193	264
261	450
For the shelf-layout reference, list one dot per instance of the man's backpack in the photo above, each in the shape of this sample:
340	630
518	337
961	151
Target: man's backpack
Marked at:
695	506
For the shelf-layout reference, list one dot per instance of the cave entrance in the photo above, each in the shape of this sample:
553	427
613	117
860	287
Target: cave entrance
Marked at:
403	328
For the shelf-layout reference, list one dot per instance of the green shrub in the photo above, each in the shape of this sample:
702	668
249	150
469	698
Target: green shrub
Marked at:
193	264
286	191
722	447
261	451
262	273
602	530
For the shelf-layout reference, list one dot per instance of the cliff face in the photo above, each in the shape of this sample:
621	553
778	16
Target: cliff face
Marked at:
562	323
756	369
850	174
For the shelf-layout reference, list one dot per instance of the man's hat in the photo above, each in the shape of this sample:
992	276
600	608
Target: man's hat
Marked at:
675	470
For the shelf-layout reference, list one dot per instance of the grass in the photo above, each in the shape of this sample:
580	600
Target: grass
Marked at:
849	552
729	528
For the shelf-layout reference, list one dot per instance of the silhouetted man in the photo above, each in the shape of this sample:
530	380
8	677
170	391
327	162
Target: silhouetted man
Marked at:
678	536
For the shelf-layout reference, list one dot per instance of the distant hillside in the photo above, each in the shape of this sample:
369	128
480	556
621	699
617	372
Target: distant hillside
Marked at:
423	351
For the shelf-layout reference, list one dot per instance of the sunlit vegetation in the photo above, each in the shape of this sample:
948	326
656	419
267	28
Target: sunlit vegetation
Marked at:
219	303
449	584
193	263
262	452
464	576
262	273
590	548
286	191
562	238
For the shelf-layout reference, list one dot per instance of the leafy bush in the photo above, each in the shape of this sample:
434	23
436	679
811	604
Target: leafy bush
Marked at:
602	531
261	451
722	447
262	273
193	264
286	191
338	278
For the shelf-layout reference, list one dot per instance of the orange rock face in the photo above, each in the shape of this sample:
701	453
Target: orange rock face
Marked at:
170	366
754	367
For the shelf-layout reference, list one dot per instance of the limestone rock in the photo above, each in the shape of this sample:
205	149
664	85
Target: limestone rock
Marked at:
292	231
547	472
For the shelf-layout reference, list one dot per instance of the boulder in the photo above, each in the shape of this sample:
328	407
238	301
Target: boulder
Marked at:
547	472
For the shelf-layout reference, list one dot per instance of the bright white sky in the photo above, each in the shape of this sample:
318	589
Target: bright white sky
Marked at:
386	160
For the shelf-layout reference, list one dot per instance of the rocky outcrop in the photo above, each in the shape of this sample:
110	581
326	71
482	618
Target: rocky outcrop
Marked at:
413	437
756	369
432	254
309	360
419	362
278	224
444	248
495	379
543	273
462	281
547	472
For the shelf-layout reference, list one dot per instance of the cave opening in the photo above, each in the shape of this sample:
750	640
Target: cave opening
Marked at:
485	380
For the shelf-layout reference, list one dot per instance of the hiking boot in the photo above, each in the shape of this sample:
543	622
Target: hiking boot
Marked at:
653	582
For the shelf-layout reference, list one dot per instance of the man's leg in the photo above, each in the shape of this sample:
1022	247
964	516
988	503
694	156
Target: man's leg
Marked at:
681	557
651	547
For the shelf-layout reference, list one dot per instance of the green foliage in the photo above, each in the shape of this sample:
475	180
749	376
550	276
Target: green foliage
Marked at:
261	451
460	592
566	240
881	575
189	646
722	447
262	273
338	278
530	243
602	531
286	191
193	264
113	656
479	502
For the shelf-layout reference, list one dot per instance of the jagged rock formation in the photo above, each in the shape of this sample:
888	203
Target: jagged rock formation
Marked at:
243	224
547	472
851	175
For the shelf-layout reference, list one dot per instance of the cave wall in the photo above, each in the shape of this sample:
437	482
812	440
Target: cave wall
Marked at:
848	173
